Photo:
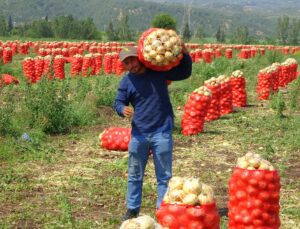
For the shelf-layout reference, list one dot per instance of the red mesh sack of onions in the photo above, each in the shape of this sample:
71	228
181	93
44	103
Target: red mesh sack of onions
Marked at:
291	65
226	95
263	87
77	62
7	79
159	49
213	111
115	138
254	191
28	66
188	203
238	85
195	110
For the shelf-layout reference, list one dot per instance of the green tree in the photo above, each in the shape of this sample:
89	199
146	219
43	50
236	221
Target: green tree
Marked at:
200	33
186	34
3	26
9	24
65	27
111	33
283	29
40	28
88	29
164	21
220	35
294	32
123	30
241	35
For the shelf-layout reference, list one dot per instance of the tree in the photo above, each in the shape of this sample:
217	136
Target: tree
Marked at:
241	35
283	29
186	34
65	27
88	29
164	21
200	32
40	28
220	35
9	24
3	26
294	32
111	33
123	30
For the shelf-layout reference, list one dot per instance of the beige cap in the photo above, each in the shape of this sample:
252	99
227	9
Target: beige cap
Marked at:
127	52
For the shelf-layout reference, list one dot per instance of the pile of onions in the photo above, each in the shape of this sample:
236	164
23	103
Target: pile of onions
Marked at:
160	49
195	110
226	95
238	86
213	111
141	222
253	161
191	191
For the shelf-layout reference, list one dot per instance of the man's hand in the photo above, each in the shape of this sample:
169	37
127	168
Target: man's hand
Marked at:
128	112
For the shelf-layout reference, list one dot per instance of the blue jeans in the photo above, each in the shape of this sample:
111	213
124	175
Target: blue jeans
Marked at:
139	146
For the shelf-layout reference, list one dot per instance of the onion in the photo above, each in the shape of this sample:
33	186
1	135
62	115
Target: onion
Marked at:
130	224
176	195
191	199
145	222
206	199
176	183
192	185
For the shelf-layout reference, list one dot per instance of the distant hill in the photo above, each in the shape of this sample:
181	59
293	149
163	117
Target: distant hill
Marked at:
259	15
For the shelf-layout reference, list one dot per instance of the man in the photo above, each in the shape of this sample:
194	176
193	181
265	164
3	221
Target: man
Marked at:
152	123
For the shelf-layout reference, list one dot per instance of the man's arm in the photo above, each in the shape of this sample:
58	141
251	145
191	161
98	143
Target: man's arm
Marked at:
121	104
183	70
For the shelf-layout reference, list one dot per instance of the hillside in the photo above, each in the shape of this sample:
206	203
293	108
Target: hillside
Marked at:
207	14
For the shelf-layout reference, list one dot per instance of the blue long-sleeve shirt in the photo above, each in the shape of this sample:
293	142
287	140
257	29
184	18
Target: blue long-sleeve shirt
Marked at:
148	94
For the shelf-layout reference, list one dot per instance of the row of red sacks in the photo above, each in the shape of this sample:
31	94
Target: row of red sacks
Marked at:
200	108
34	68
270	81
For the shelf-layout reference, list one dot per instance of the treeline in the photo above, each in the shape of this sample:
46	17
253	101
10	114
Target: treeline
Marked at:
68	27
65	27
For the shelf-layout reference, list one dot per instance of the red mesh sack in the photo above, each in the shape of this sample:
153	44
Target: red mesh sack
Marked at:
195	110
177	216
213	111
115	138
28	65
59	67
207	56
7	55
263	85
98	63
226	95
7	79
228	53
76	67
39	67
159	49
88	65
107	62
238	86
254	199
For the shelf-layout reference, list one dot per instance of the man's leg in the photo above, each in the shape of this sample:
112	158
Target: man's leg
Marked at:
138	155
162	147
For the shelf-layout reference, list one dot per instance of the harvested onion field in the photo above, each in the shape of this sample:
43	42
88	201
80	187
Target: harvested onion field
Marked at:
59	177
